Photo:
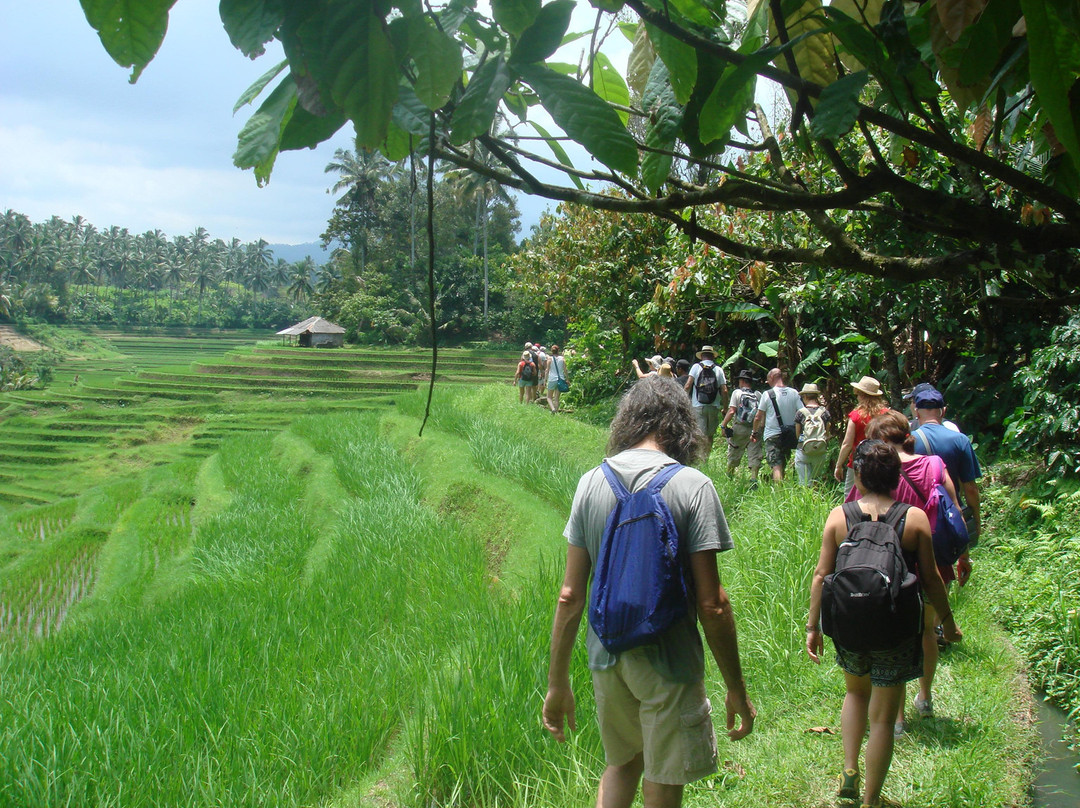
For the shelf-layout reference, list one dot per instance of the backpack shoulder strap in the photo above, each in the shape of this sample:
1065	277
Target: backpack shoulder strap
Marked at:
661	478
617	487
921	436
895	516
914	487
853	514
776	408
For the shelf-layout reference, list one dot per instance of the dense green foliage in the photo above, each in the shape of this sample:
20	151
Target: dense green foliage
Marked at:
955	118
71	272
376	288
1049	420
1032	578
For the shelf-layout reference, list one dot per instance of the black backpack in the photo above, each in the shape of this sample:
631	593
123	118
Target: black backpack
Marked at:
528	371
871	601
706	386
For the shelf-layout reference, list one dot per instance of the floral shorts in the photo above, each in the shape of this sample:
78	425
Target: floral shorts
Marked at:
889	668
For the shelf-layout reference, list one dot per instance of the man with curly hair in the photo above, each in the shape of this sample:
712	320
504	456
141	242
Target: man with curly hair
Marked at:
651	704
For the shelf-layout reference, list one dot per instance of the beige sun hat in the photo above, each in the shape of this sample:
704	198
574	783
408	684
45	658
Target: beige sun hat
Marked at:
809	390
868	385
705	349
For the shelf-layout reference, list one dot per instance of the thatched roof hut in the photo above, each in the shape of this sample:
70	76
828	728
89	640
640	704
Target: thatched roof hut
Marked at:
314	332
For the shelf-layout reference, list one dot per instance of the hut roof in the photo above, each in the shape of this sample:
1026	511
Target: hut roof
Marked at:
312	325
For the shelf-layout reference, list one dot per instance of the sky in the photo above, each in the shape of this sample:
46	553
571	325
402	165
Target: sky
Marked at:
76	138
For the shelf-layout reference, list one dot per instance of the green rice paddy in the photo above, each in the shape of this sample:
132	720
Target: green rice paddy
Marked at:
277	594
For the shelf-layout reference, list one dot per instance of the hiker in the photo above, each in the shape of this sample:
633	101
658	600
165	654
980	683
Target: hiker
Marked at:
811	428
652	708
708	390
776	411
682	370
870	402
954	447
556	379
913	422
738	426
542	359
874	680
919	474
653	362
525	378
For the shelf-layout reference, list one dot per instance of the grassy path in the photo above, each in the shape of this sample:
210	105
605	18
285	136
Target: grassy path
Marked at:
349	615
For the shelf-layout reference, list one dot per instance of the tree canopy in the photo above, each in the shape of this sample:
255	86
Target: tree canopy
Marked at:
938	116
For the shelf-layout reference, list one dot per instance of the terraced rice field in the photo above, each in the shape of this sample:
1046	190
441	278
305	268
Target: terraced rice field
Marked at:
159	396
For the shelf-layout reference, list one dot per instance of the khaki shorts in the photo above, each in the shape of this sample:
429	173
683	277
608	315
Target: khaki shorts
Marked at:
708	418
639	711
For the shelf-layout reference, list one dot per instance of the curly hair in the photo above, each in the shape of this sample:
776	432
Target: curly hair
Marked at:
892	427
658	407
878	466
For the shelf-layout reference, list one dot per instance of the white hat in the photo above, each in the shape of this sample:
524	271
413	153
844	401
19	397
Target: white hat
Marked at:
868	385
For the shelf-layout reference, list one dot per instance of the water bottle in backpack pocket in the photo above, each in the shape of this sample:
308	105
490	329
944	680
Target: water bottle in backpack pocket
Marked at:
871	600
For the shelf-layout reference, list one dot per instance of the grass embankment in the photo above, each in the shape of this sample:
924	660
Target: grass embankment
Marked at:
350	615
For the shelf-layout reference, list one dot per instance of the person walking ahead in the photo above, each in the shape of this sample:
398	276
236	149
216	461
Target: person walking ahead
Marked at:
650	700
738	426
708	391
875	680
777	407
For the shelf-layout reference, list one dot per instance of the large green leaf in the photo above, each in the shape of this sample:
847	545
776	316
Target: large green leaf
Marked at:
979	49
681	60
665	118
398	143
584	116
695	11
1055	66
359	69
478	105
609	85
852	24
255	90
838	107
258	142
250	24
438	62
729	100
515	15
410	113
639	65
306	131
545	35
130	30
559	152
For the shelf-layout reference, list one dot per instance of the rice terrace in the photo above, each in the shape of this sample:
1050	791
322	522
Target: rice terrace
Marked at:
234	575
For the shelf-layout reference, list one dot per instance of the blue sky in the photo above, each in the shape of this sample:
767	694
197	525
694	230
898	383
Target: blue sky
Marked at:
77	138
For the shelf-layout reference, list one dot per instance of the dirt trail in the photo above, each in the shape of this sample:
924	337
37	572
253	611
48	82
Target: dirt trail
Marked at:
16	341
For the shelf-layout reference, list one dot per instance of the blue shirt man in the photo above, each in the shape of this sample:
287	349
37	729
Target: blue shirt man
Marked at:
954	447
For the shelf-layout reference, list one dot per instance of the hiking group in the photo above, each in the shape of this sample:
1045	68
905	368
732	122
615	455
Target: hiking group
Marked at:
644	533
541	370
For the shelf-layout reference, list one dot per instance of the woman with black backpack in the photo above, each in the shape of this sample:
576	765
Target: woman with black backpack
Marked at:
875	555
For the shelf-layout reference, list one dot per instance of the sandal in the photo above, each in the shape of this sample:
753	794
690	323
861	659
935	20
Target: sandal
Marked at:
924	708
849	785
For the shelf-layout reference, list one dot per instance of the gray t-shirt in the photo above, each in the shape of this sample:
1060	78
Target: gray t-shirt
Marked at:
699	518
788	400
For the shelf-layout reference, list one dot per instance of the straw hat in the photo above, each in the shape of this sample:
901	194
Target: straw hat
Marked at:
868	385
705	349
809	390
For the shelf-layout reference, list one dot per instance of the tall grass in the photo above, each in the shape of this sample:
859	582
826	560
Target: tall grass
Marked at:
315	625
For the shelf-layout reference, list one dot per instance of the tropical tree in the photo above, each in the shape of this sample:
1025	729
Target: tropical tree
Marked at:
300	287
878	88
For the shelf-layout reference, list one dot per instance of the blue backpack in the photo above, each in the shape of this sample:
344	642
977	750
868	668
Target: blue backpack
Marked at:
947	527
638	590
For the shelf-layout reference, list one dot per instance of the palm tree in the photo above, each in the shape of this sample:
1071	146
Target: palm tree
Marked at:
205	274
257	258
300	287
359	174
470	186
329	276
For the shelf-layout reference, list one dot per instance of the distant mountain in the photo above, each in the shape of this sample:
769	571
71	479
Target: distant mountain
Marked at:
297	252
